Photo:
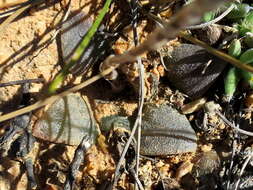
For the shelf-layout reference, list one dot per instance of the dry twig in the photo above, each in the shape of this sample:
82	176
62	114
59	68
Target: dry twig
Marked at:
76	162
188	16
20	82
53	98
218	53
232	125
134	9
248	158
12	4
217	19
155	40
16	14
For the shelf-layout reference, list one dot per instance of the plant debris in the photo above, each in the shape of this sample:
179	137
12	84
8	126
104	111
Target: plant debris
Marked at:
196	123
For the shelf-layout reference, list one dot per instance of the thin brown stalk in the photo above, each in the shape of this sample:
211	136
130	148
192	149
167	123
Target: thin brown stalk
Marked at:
5	24
211	50
53	98
249	157
203	25
12	4
218	53
189	15
20	82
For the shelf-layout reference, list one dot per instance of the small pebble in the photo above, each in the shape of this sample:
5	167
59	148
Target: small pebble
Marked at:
193	106
114	122
207	164
183	169
189	72
206	170
206	147
165	131
66	121
210	34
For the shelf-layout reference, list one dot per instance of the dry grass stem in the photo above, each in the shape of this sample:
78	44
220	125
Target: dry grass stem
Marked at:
188	16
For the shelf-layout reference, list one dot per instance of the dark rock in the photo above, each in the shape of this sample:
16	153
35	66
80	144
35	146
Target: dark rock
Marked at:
185	69
188	182
165	131
72	32
66	121
16	129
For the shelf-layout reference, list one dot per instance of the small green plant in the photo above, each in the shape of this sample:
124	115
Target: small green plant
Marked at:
241	48
246	24
239	12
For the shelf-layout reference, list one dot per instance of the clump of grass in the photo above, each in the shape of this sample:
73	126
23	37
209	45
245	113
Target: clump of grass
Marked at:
240	48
